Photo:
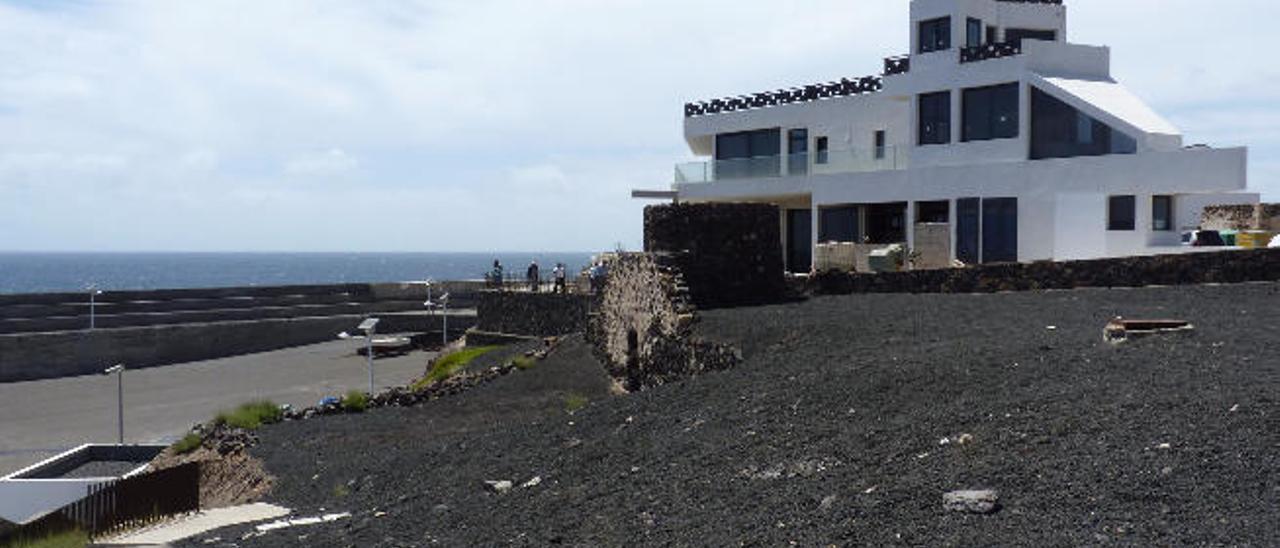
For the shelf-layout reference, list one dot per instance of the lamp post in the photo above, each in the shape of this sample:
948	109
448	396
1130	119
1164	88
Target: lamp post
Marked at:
443	305
93	302
369	326
444	318
430	308
118	371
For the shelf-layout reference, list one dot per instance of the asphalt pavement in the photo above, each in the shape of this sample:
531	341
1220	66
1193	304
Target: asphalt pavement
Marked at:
43	418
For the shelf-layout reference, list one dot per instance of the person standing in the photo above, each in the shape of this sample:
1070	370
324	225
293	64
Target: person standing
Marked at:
532	276
559	276
495	277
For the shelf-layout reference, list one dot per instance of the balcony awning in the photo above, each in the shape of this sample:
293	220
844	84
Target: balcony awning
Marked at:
1115	100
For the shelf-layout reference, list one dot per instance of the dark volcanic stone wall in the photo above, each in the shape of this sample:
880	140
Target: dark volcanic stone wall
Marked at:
642	326
730	254
532	314
1183	269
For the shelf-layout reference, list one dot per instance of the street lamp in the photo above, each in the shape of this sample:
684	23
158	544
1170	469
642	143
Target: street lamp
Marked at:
93	296
369	326
443	305
118	371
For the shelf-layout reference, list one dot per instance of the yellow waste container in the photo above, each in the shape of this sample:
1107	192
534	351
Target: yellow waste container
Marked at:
1253	239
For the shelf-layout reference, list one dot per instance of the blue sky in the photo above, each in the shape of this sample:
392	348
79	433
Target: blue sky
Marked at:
449	125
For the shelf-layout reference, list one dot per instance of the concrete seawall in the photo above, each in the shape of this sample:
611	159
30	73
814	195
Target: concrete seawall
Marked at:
45	336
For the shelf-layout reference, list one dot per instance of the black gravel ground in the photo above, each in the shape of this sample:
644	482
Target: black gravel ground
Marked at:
831	434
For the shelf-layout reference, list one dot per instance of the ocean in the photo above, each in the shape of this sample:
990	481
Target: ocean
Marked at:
65	272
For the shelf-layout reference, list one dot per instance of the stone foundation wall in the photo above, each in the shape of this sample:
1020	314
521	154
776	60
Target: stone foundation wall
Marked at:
729	254
532	314
1242	217
642	325
1183	269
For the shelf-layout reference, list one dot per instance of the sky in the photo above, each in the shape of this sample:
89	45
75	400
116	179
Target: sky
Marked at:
474	125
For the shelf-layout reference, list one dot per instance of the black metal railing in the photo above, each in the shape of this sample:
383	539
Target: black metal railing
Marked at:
897	65
814	92
994	50
119	505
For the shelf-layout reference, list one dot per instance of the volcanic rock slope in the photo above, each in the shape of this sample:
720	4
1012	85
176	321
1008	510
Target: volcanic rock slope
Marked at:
848	422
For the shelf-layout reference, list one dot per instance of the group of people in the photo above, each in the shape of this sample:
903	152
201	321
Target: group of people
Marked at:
559	275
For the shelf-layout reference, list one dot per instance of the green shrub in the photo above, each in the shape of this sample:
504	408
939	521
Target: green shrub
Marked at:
355	402
449	366
68	539
574	402
250	416
187	444
523	362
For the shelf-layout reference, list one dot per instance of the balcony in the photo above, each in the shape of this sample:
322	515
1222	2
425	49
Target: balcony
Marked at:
814	92
897	65
793	165
994	50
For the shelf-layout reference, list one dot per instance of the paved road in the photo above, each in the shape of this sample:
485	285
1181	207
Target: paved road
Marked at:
41	418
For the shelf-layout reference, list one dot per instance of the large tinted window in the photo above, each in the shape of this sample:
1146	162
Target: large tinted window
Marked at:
935	35
999	230
838	224
935	118
1121	213
973	32
991	112
748	154
1018	35
798	151
1162	213
1058	130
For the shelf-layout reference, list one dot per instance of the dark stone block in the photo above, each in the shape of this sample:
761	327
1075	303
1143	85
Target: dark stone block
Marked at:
1257	265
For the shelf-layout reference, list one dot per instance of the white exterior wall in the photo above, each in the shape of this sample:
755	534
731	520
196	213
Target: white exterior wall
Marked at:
1055	197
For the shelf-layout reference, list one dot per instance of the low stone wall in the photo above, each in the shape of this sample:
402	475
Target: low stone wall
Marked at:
35	356
1182	269
729	254
1242	217
532	314
47	312
642	326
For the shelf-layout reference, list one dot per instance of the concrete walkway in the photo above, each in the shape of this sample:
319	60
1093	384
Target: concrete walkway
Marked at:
196	524
42	418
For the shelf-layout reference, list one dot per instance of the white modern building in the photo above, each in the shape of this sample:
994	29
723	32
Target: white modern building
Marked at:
995	130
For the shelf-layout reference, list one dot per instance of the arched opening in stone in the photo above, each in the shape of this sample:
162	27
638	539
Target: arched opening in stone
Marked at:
633	348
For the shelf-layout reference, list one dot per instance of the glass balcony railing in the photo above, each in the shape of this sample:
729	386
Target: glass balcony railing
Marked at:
793	165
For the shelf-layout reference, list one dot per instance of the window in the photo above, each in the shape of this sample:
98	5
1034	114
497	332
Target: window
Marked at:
935	35
999	230
1018	35
935	118
838	224
933	212
990	113
822	153
886	223
1162	213
1121	212
993	35
1058	130
973	33
878	145
798	151
748	154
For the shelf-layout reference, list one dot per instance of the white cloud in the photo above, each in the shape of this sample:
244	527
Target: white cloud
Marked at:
193	122
331	162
